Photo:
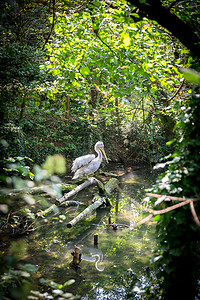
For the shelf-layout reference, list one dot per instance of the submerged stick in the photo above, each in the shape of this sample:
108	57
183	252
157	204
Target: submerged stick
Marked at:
96	237
55	208
76	255
99	200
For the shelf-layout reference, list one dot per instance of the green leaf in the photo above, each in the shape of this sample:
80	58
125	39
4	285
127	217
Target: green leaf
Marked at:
191	75
72	75
84	71
170	142
145	214
52	284
69	282
30	268
127	41
156	218
179	123
55	72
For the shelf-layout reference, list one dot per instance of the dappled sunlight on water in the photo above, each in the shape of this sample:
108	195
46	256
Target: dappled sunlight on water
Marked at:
114	270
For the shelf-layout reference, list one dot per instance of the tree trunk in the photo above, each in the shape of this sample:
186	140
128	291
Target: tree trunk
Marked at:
22	109
94	96
67	108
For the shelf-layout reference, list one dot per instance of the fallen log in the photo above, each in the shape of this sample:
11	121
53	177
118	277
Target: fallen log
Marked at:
98	201
54	208
46	211
66	197
111	185
77	189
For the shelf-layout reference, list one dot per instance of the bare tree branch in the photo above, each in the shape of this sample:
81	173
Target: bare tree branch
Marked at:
52	26
194	214
176	93
184	201
172	197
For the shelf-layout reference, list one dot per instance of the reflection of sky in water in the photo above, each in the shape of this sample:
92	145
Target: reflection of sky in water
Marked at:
125	252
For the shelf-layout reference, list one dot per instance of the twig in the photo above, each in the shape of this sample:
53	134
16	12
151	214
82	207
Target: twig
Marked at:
170	208
172	197
180	87
52	26
144	220
165	210
194	214
174	3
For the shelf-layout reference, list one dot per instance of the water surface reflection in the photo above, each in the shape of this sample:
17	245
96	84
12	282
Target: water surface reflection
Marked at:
117	269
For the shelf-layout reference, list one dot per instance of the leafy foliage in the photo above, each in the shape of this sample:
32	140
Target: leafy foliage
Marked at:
179	250
17	281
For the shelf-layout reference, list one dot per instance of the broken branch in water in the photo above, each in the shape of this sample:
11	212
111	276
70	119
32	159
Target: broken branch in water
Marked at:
110	185
77	189
98	201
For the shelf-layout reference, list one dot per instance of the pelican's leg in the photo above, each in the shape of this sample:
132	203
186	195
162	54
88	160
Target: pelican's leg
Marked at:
90	179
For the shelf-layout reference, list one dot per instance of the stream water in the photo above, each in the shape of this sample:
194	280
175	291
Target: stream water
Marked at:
119	267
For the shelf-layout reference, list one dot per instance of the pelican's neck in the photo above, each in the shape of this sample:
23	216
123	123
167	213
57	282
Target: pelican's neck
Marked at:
99	153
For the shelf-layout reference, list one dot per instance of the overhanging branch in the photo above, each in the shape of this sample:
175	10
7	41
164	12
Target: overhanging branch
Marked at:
152	212
52	26
153	9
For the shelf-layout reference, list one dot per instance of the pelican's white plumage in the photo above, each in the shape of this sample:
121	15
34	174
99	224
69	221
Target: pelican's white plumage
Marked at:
88	164
82	161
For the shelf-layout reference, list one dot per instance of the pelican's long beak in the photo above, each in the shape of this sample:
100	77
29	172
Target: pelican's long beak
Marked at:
104	154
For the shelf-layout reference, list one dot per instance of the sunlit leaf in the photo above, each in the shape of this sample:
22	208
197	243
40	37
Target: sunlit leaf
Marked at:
127	40
55	164
170	142
84	71
156	218
69	282
58	292
191	75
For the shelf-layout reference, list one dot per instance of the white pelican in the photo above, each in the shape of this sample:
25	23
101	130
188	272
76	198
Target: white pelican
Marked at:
88	164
